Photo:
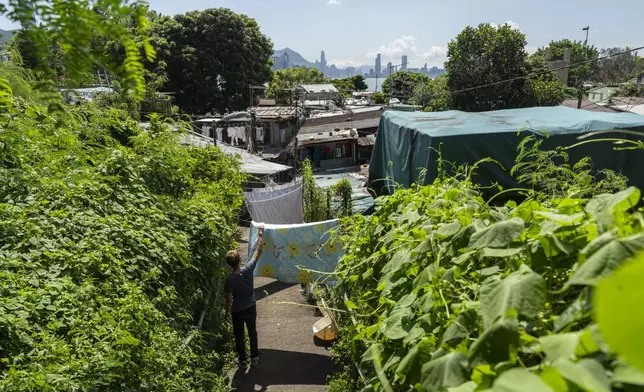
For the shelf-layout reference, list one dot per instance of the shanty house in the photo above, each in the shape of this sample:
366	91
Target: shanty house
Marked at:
280	124
318	92
328	149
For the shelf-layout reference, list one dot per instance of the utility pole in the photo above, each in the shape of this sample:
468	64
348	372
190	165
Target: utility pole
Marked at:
580	81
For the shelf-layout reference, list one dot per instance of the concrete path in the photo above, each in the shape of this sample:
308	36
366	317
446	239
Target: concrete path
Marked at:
289	359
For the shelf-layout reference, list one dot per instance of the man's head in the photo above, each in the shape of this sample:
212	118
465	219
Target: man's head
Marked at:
233	259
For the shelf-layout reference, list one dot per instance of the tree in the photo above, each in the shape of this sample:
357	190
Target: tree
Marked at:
432	95
51	26
359	83
579	53
617	69
401	84
212	57
496	57
287	79
546	89
379	98
347	85
483	55
631	89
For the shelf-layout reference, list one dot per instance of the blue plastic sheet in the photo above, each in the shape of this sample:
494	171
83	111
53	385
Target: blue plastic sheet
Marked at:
301	253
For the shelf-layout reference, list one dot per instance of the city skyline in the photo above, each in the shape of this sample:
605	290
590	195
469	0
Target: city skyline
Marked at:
282	60
423	27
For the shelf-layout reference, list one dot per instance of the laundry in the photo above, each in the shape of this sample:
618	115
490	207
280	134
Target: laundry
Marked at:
302	253
271	192
283	209
240	134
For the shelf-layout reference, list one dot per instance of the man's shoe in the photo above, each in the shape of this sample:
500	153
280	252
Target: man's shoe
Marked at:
254	361
242	364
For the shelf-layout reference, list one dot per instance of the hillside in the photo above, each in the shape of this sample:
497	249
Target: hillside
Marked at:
5	35
294	57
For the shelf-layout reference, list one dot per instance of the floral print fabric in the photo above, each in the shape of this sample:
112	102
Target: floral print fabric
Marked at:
300	253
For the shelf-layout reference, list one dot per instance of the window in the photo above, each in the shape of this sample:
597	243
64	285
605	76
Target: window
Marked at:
340	151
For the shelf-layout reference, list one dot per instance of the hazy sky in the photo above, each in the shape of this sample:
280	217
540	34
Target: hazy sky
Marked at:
352	31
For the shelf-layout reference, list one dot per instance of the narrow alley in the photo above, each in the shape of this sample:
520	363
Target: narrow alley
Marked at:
289	360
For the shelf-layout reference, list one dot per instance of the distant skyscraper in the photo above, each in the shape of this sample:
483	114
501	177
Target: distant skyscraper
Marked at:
378	64
323	60
390	68
285	61
403	63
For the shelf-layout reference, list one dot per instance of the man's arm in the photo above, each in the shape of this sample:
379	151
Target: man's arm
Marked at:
258	250
229	304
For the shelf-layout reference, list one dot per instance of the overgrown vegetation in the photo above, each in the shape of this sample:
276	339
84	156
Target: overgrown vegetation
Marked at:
112	242
324	203
440	290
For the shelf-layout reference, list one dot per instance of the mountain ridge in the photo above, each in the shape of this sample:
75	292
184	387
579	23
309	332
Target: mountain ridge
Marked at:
5	36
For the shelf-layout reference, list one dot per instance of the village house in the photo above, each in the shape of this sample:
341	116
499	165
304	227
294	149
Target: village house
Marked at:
326	150
318	92
275	126
279	123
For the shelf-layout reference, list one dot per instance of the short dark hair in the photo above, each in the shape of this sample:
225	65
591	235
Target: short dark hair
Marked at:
233	259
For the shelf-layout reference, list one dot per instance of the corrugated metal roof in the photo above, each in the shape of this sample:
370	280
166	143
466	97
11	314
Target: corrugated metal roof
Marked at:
356	114
367	141
319	88
250	163
275	112
326	137
359	125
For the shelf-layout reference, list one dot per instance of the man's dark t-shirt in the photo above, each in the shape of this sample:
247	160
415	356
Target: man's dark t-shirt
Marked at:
240	284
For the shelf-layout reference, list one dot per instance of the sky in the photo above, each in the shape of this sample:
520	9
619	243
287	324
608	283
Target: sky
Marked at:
352	32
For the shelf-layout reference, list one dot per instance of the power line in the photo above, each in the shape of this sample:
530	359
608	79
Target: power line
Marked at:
545	72
532	75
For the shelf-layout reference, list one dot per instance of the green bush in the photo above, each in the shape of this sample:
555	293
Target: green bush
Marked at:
447	292
111	245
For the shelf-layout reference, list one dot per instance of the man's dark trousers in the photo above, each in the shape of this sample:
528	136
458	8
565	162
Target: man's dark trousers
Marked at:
248	317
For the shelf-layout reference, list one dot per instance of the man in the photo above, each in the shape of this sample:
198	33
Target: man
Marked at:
240	301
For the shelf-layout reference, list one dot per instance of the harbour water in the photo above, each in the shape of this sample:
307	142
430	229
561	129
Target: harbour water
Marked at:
375	84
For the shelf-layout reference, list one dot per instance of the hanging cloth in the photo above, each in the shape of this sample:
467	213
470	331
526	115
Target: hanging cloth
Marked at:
283	209
297	253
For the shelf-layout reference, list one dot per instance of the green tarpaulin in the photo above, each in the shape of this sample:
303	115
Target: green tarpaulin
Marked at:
408	143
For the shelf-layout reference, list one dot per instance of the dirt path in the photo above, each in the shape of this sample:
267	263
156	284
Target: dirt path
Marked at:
289	360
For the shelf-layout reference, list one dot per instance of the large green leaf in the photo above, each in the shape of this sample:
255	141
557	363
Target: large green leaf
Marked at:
567	345
620	201
406	301
398	259
618	304
587	374
553	378
397	325
602	207
561	219
469	386
373	352
498	235
624	374
496	344
606	259
522	290
519	380
500	252
465	324
410	366
448	229
444	372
